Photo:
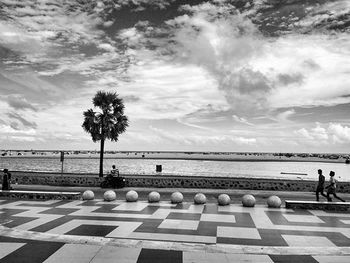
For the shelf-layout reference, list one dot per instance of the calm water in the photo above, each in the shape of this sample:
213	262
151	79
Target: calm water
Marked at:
183	167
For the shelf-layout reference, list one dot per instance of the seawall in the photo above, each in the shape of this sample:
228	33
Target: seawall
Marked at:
92	180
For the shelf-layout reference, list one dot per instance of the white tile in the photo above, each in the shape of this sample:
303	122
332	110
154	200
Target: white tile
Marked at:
193	209
173	237
332	259
203	257
8	248
179	224
73	253
233	258
238	232
109	254
303	218
308	241
218	218
72	204
193	257
124	229
160	214
162	204
131	206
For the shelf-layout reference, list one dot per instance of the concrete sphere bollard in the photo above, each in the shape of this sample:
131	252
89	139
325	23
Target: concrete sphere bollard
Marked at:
153	197
224	199
200	199
131	196
109	195
248	201
274	201
88	195
176	198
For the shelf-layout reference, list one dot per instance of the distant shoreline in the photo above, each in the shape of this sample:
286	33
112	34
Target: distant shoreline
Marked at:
189	158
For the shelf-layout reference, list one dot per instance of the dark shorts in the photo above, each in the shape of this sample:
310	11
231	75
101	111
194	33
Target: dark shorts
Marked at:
319	188
331	190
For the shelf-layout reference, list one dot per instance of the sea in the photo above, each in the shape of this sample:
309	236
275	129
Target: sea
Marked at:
249	169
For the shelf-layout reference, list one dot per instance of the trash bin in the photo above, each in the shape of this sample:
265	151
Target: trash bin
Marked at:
158	168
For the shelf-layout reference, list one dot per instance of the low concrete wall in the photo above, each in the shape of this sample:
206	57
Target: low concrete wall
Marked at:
87	180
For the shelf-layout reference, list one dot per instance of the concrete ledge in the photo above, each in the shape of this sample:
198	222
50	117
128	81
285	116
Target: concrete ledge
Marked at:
172	181
334	206
40	195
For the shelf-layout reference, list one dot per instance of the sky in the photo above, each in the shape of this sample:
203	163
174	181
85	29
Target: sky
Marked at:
255	75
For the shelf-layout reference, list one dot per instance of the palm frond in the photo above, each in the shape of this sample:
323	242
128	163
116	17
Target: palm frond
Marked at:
109	123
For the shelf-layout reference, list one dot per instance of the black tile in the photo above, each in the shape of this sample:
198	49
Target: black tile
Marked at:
52	224
184	216
268	238
207	228
59	211
292	259
149	225
159	256
89	203
181	206
16	221
91	230
34	252
210	209
244	220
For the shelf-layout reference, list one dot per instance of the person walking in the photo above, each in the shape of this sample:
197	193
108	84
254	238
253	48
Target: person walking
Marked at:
331	188
6	180
320	185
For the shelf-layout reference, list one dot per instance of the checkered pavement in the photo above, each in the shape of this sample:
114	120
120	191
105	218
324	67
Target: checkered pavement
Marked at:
210	224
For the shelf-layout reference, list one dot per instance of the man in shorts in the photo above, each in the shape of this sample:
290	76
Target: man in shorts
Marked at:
320	185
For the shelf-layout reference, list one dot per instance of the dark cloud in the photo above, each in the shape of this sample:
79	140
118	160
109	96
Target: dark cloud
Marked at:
23	121
19	103
286	79
310	63
246	90
14	125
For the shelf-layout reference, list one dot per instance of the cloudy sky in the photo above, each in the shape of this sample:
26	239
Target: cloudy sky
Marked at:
255	75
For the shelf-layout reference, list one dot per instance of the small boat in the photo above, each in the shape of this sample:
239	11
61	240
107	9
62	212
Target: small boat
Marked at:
293	173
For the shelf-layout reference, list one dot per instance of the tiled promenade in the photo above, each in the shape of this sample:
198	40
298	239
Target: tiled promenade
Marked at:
117	231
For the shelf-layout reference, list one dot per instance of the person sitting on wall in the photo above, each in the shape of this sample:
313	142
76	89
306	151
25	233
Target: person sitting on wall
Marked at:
114	172
6	180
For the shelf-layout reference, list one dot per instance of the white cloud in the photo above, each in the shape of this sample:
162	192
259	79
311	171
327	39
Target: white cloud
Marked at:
341	134
333	133
304	133
169	91
259	73
200	140
285	115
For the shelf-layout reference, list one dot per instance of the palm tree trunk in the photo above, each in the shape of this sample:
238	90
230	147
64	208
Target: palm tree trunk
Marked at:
101	157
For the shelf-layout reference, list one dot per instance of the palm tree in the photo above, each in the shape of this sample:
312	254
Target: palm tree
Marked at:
107	123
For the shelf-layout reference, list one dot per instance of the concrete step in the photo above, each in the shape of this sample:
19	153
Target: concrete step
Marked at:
334	206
